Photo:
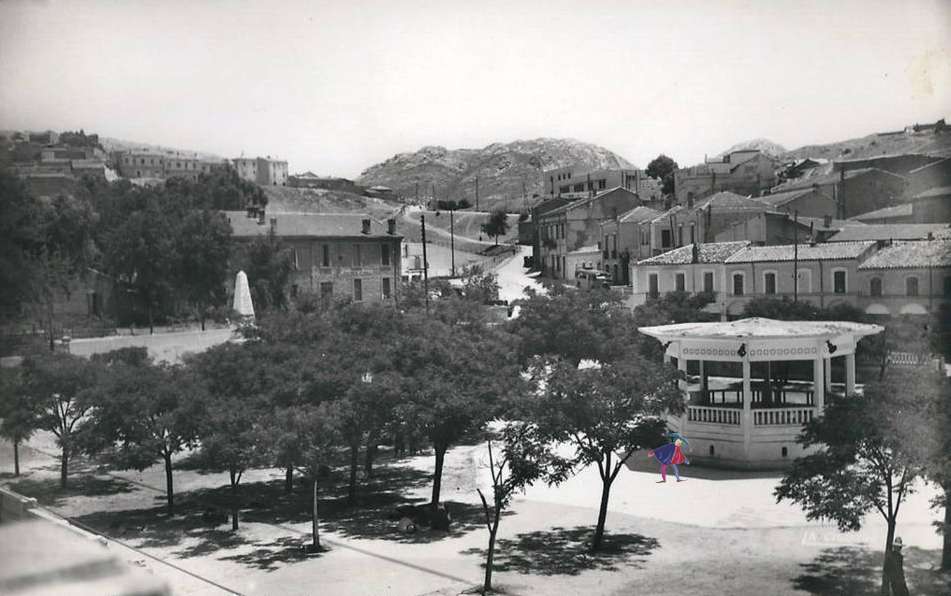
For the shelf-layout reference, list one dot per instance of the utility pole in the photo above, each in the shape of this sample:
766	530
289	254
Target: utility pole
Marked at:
477	193
452	241
417	192
795	261
422	221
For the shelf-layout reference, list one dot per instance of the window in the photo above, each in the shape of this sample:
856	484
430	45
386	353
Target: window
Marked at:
911	286
769	282
357	261
385	254
386	288
325	255
602	184
738	284
680	282
296	260
326	289
652	285
875	286
693	233
579	187
358	290
838	282
294	290
708	281
665	238
680	235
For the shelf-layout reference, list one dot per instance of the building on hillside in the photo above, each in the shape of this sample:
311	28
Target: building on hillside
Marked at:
48	137
886	232
381	192
808	202
536	212
902	164
264	171
89	167
55	152
746	172
577	224
854	191
933	175
334	255
907	278
311	180
887	215
932	206
146	163
574	182
623	241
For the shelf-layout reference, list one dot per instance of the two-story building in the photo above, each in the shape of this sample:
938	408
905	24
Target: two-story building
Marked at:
745	172
622	242
577	224
334	255
574	182
853	191
261	170
692	268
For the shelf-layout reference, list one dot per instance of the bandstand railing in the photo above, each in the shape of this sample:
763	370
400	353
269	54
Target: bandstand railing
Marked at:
783	416
710	415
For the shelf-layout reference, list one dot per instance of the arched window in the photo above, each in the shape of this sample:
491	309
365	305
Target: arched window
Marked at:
911	286
875	286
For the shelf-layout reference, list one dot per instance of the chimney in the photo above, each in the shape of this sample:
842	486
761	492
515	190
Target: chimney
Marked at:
695	253
827	221
366	226
391	226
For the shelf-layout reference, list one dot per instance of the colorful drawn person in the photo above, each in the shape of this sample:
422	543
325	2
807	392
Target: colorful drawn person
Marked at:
670	454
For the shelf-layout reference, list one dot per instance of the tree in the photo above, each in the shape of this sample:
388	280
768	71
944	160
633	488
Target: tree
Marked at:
319	442
478	285
268	266
203	246
663	168
145	412
866	458
21	242
606	412
18	413
524	458
497	224
233	430
59	387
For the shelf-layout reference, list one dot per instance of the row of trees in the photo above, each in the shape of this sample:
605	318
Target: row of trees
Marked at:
170	247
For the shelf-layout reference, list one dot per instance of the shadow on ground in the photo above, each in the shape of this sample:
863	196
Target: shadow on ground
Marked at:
858	572
48	492
565	551
639	462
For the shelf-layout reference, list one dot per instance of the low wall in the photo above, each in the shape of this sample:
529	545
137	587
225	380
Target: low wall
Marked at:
16	507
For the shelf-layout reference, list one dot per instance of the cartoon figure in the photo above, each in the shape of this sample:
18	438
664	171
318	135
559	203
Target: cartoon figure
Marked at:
670	454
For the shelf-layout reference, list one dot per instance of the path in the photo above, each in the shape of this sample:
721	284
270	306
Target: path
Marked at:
513	278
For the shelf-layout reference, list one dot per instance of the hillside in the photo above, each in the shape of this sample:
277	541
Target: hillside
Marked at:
110	144
877	144
765	145
290	200
501	169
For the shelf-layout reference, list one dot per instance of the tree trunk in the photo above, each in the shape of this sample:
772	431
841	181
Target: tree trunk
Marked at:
354	463
946	547
234	501
602	514
151	325
437	475
889	538
315	532
289	479
489	558
368	457
169	492
63	468
49	324
16	457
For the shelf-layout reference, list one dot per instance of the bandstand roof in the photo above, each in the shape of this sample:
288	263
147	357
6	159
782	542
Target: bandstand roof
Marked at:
759	329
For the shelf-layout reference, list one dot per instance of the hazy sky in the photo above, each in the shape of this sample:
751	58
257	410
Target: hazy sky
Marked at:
336	86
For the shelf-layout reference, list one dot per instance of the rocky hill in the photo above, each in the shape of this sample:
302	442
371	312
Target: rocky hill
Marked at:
765	145
502	169
926	142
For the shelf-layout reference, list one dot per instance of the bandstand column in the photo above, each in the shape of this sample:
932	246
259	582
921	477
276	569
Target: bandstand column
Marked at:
827	373
818	383
684	384
850	374
747	407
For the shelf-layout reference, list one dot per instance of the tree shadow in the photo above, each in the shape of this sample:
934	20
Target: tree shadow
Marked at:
858	572
47	491
566	551
267	555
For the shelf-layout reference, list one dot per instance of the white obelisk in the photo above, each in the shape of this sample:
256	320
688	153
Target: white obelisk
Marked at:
242	296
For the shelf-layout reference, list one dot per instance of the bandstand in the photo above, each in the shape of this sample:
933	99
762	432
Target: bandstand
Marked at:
751	384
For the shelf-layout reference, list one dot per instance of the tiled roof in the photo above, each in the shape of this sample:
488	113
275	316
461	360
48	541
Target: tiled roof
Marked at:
711	252
903	210
911	255
666	214
639	214
778	199
729	201
940	191
901	231
830	178
330	225
585	201
807	252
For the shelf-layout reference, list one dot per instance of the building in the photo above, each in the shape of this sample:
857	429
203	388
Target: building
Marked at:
264	171
887	215
334	255
932	175
888	232
577	224
586	258
535	236
147	163
311	180
854	191
746	172
693	268
901	164
573	182
932	205
906	278
622	241
769	227
808	202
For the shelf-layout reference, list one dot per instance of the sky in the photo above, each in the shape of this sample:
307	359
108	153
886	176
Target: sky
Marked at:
337	86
